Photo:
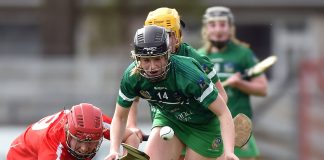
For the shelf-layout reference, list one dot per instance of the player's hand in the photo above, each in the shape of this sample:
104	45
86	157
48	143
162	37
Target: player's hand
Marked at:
112	156
228	156
234	79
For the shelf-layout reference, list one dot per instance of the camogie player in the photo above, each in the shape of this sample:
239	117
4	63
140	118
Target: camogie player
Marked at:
170	20
184	97
232	58
74	134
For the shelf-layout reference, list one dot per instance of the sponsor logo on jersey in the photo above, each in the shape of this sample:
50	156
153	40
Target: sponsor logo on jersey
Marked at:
145	94
160	88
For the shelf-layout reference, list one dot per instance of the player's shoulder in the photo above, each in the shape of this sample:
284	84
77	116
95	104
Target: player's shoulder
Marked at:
202	51
131	73
243	48
186	66
185	49
186	45
130	67
178	59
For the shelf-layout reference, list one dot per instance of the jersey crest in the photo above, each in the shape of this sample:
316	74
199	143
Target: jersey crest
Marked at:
202	83
216	143
145	94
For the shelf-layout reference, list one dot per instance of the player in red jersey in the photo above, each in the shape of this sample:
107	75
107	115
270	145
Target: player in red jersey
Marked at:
74	134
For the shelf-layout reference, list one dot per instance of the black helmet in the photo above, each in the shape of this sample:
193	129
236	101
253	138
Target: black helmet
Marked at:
151	41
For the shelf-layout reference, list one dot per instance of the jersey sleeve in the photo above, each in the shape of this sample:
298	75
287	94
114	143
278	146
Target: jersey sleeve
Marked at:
205	63
106	124
204	91
127	93
198	85
56	152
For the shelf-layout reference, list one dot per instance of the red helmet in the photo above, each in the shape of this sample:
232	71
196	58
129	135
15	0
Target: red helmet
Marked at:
84	124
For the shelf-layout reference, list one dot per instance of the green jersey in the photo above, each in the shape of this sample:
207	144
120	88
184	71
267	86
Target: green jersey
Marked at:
187	51
184	95
234	58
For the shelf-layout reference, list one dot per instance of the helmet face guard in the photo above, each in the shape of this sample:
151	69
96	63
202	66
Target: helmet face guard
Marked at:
84	127
150	42
218	13
79	155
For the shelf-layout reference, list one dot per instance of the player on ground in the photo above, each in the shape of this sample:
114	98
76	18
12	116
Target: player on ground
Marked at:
231	58
74	134
185	99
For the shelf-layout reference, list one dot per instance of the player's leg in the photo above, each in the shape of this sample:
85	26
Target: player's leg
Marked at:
159	149
131	138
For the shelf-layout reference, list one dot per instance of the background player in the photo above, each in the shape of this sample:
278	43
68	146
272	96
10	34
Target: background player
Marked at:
232	58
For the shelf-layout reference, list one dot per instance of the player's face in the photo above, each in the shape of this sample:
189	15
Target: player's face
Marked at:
218	30
83	147
153	66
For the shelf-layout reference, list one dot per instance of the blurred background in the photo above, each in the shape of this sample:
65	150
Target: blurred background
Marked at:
58	53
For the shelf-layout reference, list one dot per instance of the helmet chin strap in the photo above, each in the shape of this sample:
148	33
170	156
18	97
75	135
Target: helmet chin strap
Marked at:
219	44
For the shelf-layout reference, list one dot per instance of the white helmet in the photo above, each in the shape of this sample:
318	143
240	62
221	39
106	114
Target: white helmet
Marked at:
218	13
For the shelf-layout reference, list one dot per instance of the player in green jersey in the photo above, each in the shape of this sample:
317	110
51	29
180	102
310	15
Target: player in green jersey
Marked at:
232	58
170	19
185	99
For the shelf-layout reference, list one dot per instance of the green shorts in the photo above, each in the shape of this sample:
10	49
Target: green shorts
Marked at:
204	139
249	150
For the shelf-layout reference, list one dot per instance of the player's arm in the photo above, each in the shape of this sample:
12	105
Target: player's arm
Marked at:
129	137
255	86
132	119
132	116
257	83
220	108
117	131
126	96
221	90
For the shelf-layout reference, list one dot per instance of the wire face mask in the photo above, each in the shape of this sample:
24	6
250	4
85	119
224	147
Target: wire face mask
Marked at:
94	145
160	70
151	44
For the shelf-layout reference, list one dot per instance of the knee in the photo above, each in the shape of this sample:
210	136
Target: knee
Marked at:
133	140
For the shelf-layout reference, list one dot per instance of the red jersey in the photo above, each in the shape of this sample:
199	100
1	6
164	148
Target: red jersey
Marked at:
46	139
